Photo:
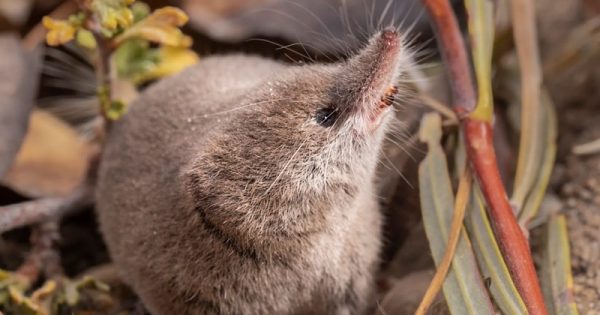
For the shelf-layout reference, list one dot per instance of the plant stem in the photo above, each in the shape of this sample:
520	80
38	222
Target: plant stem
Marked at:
36	211
104	50
482	157
455	55
44	256
103	75
52	208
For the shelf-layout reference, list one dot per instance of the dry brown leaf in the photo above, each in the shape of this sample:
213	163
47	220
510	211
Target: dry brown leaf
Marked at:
52	160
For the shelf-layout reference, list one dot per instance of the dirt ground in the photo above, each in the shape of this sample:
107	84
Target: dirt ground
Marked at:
577	181
576	178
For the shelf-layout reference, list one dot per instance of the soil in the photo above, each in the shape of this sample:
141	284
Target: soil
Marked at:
579	192
576	179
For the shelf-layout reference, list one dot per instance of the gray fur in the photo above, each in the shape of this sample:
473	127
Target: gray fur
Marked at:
220	194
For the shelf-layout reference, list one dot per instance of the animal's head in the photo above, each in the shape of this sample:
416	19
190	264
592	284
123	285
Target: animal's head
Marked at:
309	138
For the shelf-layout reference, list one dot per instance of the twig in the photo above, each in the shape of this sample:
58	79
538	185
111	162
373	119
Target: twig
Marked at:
43	256
36	211
439	107
592	147
54	208
104	49
460	204
478	135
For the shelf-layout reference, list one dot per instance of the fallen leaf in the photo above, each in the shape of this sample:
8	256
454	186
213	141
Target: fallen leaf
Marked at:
18	87
52	160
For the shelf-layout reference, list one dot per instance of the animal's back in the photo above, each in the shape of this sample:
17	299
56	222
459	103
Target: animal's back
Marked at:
140	174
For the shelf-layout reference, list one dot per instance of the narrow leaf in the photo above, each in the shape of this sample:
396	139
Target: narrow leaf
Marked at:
545	155
556	268
525	35
456	229
464	289
490	258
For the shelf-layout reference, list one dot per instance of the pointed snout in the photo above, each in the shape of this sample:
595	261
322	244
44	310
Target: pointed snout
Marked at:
389	38
369	76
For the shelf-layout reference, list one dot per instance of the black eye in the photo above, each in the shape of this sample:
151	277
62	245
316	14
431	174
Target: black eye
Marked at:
326	116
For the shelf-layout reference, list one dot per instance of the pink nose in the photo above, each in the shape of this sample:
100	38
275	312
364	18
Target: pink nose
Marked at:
390	37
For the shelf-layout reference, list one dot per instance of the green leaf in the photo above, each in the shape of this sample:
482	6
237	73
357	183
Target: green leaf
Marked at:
117	110
171	61
135	57
161	27
529	192
490	258
136	61
140	11
546	156
113	15
556	268
464	288
86	39
531	143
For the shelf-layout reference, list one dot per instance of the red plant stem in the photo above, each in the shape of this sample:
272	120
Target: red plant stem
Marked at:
480	151
457	62
510	237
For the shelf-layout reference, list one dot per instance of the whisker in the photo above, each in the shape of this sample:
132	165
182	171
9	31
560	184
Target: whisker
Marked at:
285	166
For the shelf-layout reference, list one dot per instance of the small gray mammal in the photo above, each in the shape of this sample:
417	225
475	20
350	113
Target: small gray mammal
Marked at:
246	186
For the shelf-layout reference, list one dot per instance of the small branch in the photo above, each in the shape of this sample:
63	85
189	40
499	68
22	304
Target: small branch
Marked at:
104	50
44	256
592	147
36	211
439	107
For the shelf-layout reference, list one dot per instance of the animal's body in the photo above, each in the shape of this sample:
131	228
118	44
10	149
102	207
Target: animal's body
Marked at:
245	186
